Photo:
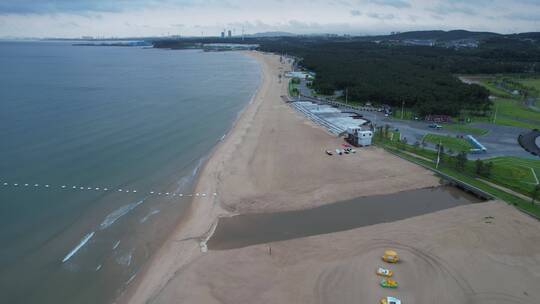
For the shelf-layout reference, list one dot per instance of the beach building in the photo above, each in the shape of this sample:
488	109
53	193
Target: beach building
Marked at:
359	136
331	118
300	74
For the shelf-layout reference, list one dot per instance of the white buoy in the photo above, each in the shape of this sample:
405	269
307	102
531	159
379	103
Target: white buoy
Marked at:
46	186
151	192
63	186
134	191
36	185
82	188
204	194
97	188
196	194
74	187
167	193
215	194
5	184
119	190
180	194
105	189
15	185
26	185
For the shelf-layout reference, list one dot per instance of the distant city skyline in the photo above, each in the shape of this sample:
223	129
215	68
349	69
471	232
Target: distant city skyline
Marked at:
136	18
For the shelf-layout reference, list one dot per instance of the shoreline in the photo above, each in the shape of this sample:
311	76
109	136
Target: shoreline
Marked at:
130	294
274	160
255	167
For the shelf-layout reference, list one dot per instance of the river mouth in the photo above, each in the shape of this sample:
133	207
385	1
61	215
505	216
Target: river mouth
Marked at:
252	229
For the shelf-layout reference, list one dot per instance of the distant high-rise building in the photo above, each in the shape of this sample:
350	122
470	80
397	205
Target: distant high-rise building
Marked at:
229	34
223	34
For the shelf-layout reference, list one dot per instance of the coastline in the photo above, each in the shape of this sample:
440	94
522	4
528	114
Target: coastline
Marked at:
273	160
200	213
253	170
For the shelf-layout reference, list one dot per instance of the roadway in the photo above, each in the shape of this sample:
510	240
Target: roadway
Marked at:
499	140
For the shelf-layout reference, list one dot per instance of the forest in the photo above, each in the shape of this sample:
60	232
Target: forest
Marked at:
383	70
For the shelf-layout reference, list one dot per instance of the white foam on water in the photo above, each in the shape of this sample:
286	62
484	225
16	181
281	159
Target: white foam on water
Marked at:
118	213
99	267
125	260
116	245
83	242
145	218
131	279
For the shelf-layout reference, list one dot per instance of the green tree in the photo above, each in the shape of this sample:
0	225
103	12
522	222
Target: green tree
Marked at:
461	160
535	193
479	165
487	169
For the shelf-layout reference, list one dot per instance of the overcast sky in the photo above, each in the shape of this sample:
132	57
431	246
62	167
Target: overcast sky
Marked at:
121	18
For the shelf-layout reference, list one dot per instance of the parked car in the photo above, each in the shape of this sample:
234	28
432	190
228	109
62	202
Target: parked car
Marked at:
435	126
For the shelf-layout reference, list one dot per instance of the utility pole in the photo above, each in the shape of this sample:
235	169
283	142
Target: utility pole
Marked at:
402	108
438	155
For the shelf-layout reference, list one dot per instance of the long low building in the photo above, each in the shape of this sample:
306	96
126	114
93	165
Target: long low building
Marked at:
333	119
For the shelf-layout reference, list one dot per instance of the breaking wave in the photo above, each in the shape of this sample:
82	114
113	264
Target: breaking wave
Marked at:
118	213
84	240
144	219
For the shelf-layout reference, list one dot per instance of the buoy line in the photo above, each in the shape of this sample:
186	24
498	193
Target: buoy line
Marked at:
5	184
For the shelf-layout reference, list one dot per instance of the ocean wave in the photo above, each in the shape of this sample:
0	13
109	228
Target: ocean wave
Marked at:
153	212
84	240
118	213
116	245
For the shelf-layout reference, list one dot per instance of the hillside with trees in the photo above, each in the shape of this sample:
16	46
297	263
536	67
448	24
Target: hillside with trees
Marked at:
388	70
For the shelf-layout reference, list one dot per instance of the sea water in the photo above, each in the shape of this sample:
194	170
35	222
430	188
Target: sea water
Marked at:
89	136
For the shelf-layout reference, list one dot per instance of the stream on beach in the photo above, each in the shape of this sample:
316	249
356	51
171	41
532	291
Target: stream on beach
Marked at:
251	229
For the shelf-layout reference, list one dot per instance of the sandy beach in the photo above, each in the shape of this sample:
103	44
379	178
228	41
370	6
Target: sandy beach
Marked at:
273	160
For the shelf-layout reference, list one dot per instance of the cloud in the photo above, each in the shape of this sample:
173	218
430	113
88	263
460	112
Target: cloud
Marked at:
85	6
454	7
381	16
392	3
128	18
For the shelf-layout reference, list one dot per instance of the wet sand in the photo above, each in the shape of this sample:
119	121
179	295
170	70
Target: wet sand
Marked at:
274	160
252	229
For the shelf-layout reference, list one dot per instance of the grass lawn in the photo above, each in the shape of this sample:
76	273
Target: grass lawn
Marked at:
517	173
511	112
465	176
465	129
531	83
449	142
394	136
293	91
496	91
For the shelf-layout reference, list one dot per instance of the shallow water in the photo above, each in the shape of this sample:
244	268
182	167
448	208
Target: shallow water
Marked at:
94	118
251	229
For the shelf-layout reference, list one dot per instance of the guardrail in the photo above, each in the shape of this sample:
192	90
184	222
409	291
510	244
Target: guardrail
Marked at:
461	184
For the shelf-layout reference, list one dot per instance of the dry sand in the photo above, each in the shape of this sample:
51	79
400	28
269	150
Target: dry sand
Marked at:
273	159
